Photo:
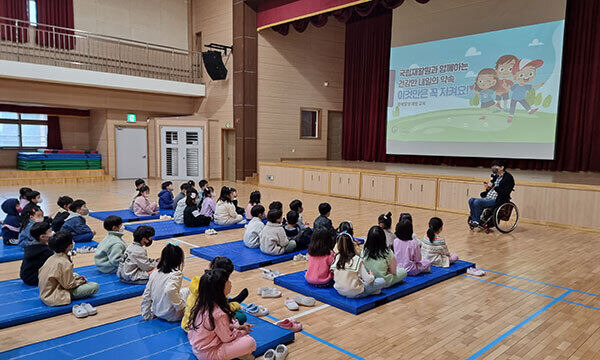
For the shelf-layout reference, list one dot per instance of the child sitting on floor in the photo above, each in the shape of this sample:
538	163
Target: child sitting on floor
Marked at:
434	247
138	184
254	200
408	250
75	223
37	253
385	222
380	260
142	206
203	184
58	285
351	278
254	227
208	204
11	226
294	232
320	258
225	213
59	219
22	200
31	215
164	297
223	263
213	331
191	214
110	250
324	221
165	196
273	240
296	205
182	193
234	200
135	266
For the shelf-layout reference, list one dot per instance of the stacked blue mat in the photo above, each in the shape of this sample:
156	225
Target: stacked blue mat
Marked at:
14	252
128	215
134	338
58	156
411	284
21	303
244	258
169	228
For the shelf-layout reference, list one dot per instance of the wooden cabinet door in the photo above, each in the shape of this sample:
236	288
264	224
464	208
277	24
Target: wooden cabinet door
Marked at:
424	192
316	181
378	187
345	184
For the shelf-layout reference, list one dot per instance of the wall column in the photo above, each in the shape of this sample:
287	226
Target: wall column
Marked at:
245	46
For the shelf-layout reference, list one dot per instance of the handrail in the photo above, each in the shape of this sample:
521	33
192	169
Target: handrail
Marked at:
99	36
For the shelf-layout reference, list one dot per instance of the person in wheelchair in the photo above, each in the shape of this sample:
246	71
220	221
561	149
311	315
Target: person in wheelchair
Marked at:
497	192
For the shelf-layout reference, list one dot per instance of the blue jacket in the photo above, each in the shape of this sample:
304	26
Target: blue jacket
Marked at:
25	238
12	216
75	224
165	199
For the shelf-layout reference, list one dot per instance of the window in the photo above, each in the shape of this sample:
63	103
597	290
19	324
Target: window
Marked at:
32	13
19	130
310	123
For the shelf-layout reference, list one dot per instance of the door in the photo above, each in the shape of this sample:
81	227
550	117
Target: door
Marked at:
132	152
182	155
334	135
228	154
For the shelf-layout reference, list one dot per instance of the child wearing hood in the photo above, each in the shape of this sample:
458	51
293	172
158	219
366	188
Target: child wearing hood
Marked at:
165	196
75	223
12	222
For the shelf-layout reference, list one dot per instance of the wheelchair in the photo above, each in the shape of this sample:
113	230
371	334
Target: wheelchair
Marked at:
504	217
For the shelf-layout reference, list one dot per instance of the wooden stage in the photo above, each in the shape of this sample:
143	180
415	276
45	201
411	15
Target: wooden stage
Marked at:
552	198
15	177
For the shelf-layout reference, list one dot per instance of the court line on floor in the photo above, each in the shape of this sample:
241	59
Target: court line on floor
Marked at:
511	331
533	292
308	312
541	282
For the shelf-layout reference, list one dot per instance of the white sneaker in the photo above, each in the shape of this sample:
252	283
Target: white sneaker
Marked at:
271	293
305	300
13	241
79	311
89	309
270	355
291	304
261	289
210	232
281	352
475	271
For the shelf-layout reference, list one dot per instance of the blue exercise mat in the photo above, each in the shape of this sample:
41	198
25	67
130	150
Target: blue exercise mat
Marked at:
410	284
134	338
244	258
21	303
14	252
169	228
57	156
128	215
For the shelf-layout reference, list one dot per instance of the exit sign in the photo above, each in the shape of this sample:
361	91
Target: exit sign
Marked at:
131	118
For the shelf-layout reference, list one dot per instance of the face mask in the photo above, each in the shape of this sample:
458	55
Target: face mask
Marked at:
38	219
213	195
121	230
149	243
40	201
495	171
85	212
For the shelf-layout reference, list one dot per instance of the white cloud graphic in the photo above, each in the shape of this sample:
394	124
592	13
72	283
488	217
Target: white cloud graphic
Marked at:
414	66
472	52
536	42
470	74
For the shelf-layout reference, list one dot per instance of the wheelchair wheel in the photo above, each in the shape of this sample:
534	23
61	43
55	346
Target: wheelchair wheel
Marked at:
506	217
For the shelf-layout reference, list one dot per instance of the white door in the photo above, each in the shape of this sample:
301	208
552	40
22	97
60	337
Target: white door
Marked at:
182	155
132	152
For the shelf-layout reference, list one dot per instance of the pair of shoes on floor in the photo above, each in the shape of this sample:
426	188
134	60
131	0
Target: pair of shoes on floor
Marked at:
85	250
210	232
475	271
300	257
290	324
84	310
271	274
292	304
279	353
165	217
256	310
269	292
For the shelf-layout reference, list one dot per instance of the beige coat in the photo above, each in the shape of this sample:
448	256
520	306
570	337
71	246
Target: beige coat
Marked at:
56	279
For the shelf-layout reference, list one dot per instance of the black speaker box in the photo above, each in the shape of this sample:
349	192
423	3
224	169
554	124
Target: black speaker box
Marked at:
214	65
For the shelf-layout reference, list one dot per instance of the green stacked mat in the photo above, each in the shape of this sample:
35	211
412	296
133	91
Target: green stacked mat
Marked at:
58	164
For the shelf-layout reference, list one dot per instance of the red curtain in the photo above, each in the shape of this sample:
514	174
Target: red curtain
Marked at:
9	30
54	140
58	13
578	128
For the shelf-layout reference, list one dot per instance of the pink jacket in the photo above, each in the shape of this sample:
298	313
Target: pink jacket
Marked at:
318	272
144	207
408	256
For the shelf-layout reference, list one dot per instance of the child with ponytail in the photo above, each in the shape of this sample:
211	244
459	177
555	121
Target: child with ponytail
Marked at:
385	222
434	247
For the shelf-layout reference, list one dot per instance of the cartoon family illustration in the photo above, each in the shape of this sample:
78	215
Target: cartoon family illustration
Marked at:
494	85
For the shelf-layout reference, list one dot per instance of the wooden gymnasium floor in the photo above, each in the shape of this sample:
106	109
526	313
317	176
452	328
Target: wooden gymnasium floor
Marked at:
539	301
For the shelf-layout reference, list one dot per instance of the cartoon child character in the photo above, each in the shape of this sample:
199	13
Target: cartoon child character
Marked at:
486	84
504	68
523	73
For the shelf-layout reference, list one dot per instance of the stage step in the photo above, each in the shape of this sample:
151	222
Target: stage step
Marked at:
12	177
